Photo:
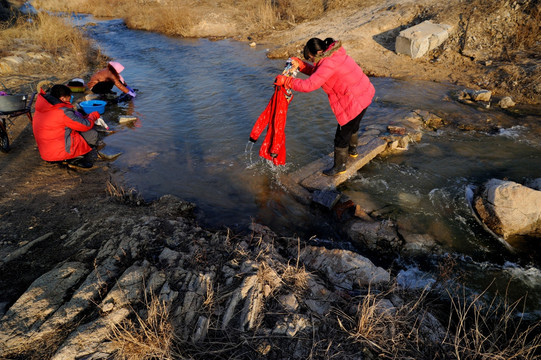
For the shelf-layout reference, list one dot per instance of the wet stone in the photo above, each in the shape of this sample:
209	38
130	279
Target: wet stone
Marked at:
327	198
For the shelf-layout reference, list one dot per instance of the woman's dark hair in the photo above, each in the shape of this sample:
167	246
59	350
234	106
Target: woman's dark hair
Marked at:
314	45
60	90
112	69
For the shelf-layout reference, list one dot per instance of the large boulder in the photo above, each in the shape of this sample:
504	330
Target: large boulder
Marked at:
421	38
509	208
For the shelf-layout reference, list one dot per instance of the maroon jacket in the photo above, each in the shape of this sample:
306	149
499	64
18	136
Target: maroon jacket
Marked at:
106	75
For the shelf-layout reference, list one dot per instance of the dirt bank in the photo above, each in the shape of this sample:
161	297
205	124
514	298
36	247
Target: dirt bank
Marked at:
490	44
43	202
37	198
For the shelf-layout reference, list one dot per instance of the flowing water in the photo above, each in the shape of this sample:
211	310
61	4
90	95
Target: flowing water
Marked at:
197	101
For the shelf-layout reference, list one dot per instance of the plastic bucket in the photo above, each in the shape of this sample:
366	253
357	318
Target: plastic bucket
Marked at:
93	105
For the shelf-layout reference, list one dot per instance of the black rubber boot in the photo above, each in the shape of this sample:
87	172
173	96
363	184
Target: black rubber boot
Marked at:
352	149
340	158
81	162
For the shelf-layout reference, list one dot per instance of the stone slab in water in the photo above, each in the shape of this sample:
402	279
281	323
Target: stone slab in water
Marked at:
312	178
421	38
327	198
123	119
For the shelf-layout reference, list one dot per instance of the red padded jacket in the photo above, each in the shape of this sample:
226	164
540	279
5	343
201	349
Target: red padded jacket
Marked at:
349	90
56	127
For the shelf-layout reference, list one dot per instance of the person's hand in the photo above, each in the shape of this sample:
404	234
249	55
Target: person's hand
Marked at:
298	63
131	93
252	140
101	122
284	81
94	115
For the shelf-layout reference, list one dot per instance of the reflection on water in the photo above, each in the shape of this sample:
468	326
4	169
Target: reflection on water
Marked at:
199	99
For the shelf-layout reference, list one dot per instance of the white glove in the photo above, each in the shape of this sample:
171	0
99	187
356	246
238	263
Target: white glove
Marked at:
101	122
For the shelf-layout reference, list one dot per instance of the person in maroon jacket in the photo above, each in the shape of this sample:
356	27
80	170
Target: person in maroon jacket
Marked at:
102	82
349	90
61	132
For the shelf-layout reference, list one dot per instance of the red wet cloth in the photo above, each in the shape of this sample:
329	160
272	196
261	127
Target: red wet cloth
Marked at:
274	118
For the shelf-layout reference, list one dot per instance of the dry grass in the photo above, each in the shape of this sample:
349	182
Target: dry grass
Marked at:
184	18
262	13
477	329
122	195
165	20
393	333
296	277
97	7
492	330
528	33
58	48
149	336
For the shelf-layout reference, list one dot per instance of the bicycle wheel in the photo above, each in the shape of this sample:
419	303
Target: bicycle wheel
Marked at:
4	140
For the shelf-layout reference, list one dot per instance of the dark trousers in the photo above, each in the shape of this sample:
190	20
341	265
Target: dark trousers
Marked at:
91	137
344	132
104	87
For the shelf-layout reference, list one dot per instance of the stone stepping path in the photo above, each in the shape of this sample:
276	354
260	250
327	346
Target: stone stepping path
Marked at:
309	184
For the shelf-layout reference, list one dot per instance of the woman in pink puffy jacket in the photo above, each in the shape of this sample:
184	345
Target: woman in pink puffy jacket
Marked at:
349	90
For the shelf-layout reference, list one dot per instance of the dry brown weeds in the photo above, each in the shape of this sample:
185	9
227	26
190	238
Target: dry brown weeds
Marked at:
182	19
149	336
391	332
121	194
57	47
493	328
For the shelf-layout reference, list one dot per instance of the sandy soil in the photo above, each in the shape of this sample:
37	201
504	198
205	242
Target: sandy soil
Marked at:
38	198
476	55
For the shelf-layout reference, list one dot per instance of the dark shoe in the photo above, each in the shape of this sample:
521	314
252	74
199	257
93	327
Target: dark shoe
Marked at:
352	149
340	158
79	163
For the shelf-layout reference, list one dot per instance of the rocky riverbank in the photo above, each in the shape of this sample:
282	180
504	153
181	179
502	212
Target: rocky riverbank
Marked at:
89	270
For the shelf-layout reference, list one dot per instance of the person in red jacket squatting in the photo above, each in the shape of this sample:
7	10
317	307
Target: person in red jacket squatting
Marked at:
349	90
62	133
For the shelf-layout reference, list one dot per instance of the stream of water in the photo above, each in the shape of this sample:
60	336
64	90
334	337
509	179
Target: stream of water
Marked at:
198	100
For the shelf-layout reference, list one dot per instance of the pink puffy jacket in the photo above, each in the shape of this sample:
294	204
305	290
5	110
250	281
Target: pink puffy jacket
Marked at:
348	88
